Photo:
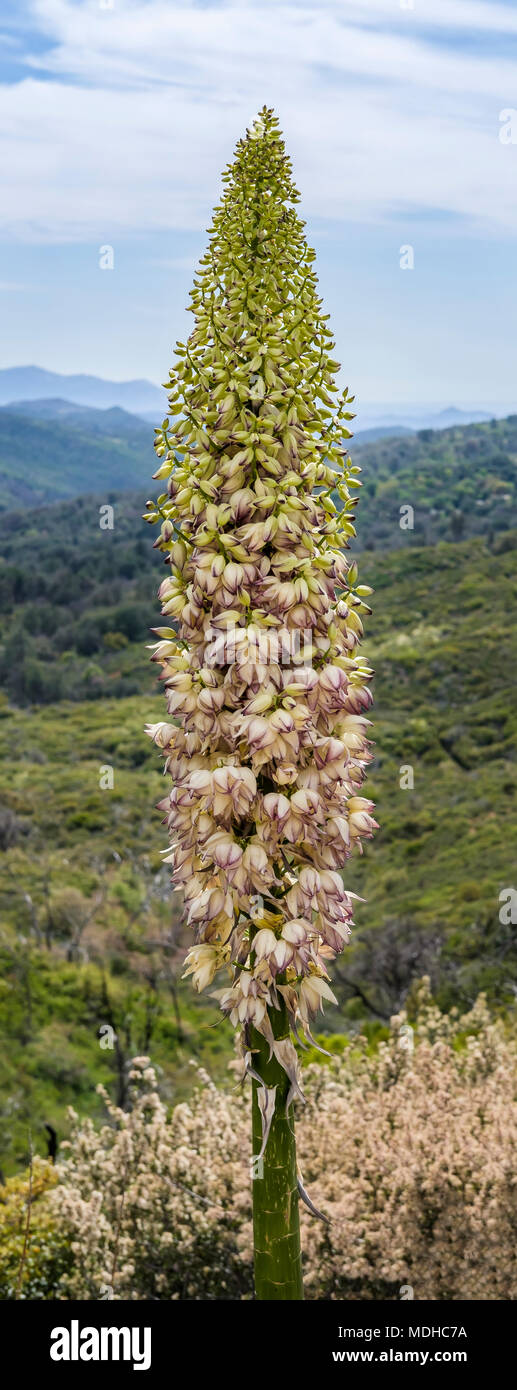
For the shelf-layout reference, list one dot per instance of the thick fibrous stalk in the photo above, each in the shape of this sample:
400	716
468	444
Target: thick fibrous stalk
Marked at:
261	668
276	1224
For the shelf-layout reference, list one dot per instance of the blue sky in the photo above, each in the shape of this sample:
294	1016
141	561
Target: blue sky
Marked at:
116	120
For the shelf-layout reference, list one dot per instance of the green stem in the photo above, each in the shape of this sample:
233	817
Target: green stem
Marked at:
276	1221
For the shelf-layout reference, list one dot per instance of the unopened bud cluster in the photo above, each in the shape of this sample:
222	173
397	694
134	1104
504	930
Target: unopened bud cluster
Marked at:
267	761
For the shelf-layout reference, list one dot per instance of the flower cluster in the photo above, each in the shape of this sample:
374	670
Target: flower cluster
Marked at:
269	697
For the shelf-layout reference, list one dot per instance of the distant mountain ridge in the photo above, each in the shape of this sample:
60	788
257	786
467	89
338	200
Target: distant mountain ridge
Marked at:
33	383
397	419
141	397
89	418
379	432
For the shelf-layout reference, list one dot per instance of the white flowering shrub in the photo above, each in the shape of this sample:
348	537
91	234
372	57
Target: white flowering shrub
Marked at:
154	1203
410	1152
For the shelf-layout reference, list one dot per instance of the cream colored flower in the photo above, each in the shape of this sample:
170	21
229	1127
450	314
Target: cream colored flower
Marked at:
202	962
267	745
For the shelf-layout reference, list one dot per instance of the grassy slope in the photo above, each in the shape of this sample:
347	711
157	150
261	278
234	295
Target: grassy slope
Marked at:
442	640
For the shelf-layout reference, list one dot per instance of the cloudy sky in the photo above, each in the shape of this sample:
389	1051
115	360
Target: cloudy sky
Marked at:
117	116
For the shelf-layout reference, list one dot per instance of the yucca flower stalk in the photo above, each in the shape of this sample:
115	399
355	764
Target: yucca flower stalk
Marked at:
269	746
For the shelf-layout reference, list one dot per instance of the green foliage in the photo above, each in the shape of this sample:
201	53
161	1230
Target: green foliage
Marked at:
461	482
35	1255
80	633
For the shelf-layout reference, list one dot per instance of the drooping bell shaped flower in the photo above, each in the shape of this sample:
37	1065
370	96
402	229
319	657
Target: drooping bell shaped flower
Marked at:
266	739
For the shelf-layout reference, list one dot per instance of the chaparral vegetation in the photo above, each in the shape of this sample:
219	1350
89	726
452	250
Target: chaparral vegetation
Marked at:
410	1151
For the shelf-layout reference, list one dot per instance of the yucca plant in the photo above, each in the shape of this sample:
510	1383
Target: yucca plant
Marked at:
260	669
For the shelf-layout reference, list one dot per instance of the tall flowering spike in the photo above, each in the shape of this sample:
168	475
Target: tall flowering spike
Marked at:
268	748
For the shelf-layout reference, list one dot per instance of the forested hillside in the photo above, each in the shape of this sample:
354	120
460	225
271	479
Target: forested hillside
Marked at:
72	613
460	482
45	456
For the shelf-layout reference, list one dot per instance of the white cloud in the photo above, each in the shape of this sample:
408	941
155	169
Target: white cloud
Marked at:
146	101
